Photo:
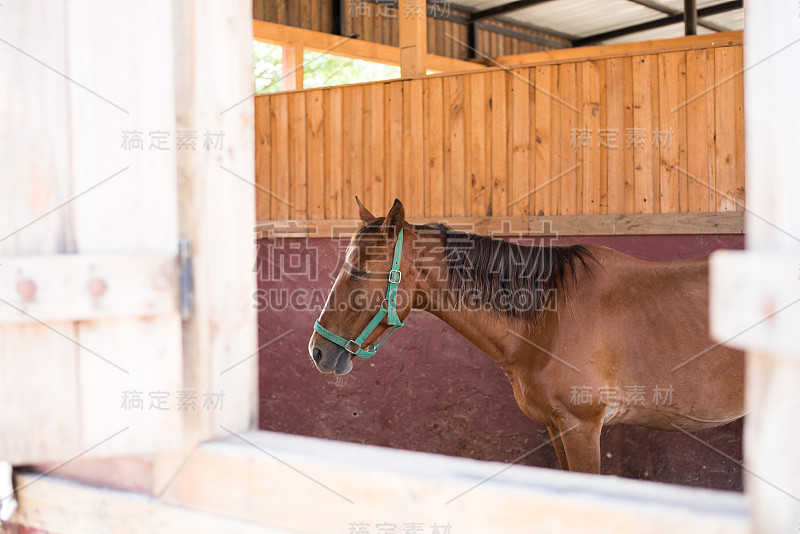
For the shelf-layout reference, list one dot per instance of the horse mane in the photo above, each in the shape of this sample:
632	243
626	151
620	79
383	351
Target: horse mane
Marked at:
509	279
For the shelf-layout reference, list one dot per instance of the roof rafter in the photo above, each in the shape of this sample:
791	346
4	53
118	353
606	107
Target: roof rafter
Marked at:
669	11
658	23
503	8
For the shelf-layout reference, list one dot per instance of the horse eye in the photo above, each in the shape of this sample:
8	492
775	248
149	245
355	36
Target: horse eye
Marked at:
357	274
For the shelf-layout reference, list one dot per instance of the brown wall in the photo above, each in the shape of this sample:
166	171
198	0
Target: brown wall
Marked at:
430	390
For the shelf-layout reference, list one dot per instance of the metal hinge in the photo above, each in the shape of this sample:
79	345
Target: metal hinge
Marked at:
186	283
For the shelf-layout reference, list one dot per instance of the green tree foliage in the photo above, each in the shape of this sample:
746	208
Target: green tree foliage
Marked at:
320	70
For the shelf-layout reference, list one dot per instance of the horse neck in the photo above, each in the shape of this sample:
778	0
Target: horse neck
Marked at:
485	329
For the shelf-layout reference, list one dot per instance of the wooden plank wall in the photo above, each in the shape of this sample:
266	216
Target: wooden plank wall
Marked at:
377	23
658	132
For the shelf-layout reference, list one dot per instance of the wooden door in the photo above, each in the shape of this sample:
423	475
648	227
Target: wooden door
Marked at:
90	332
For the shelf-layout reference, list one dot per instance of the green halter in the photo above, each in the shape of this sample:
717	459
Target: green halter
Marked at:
389	311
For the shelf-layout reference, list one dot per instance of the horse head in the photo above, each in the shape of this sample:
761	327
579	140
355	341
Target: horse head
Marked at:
371	295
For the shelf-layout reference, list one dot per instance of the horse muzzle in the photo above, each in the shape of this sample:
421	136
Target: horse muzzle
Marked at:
333	359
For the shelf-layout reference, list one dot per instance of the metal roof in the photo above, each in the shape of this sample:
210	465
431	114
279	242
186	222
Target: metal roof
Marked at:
586	21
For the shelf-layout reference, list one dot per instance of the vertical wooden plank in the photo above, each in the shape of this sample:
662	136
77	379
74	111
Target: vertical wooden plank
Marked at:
667	135
701	132
395	142
554	189
366	144
416	142
347	147
326	16
382	28
738	92
465	185
433	36
641	136
629	167
477	178
378	179
315	141
263	157
333	154
448	145
315	14
532	94
355	151
367	24
568	172
279	111
543	141
577	144
392	29
520	141
603	148
499	182
292	13
407	142
454	147
326	152
655	86
259	9
282	12
39	379
614	136
305	14
487	144
590	123
434	147
298	176
726	66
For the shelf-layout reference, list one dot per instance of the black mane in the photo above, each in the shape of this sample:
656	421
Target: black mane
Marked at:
518	281
510	279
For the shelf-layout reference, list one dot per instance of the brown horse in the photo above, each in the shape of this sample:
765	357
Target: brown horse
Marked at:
587	336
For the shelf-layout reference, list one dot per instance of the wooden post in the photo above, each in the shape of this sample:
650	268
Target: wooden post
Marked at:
413	37
760	288
292	65
690	16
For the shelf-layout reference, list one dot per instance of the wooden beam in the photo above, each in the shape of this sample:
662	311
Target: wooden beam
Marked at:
610	224
279	34
624	49
54	505
292	67
212	82
321	486
78	287
690	16
658	23
766	273
413	37
503	8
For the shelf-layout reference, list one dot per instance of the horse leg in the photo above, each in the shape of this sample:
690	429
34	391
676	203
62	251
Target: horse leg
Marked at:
581	442
558	445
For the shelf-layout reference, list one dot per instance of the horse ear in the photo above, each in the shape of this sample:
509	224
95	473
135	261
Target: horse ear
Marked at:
363	212
395	218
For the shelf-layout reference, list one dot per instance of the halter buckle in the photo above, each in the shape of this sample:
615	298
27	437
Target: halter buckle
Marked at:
392	273
347	347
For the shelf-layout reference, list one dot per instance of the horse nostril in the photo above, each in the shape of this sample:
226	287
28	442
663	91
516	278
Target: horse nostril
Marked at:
317	355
